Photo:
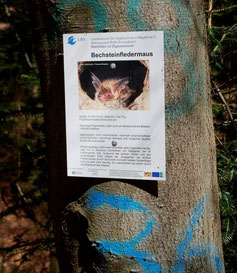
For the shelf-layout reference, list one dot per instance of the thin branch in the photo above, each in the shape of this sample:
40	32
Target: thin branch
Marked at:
224	9
25	54
225	123
230	91
210	11
223	146
21	192
225	103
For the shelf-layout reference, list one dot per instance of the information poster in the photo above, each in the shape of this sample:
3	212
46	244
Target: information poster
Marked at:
115	114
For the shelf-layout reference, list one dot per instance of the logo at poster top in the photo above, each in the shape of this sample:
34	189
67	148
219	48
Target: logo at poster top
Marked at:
71	40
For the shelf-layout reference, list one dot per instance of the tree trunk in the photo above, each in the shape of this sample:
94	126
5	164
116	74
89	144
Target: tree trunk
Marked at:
136	226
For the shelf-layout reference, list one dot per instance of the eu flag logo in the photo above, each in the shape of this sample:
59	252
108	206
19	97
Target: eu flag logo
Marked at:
155	174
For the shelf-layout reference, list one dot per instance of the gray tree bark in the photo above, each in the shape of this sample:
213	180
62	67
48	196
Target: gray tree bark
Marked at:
136	226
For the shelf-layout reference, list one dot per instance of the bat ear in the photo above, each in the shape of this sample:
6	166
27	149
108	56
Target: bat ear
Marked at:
121	84
96	82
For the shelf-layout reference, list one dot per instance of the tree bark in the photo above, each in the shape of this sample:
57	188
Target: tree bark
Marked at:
136	226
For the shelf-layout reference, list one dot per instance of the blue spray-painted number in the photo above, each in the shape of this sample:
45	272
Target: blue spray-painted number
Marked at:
186	253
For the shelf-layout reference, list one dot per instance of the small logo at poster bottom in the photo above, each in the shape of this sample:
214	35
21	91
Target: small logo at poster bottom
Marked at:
157	174
73	172
147	174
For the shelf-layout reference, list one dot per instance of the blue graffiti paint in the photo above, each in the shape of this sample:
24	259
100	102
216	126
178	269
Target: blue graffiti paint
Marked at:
185	252
97	199
209	252
128	248
217	262
98	9
198	210
135	19
185	244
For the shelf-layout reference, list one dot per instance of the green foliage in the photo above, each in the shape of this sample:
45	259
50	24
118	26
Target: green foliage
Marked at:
223	57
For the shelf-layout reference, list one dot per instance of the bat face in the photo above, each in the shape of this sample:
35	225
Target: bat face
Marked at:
110	92
107	93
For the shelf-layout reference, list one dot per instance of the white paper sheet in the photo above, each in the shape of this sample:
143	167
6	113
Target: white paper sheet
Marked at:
115	109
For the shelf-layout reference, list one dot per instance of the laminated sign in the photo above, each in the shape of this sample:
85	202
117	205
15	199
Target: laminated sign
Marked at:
114	95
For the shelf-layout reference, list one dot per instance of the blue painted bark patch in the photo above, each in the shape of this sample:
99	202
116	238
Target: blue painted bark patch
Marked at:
128	248
98	9
97	199
186	253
